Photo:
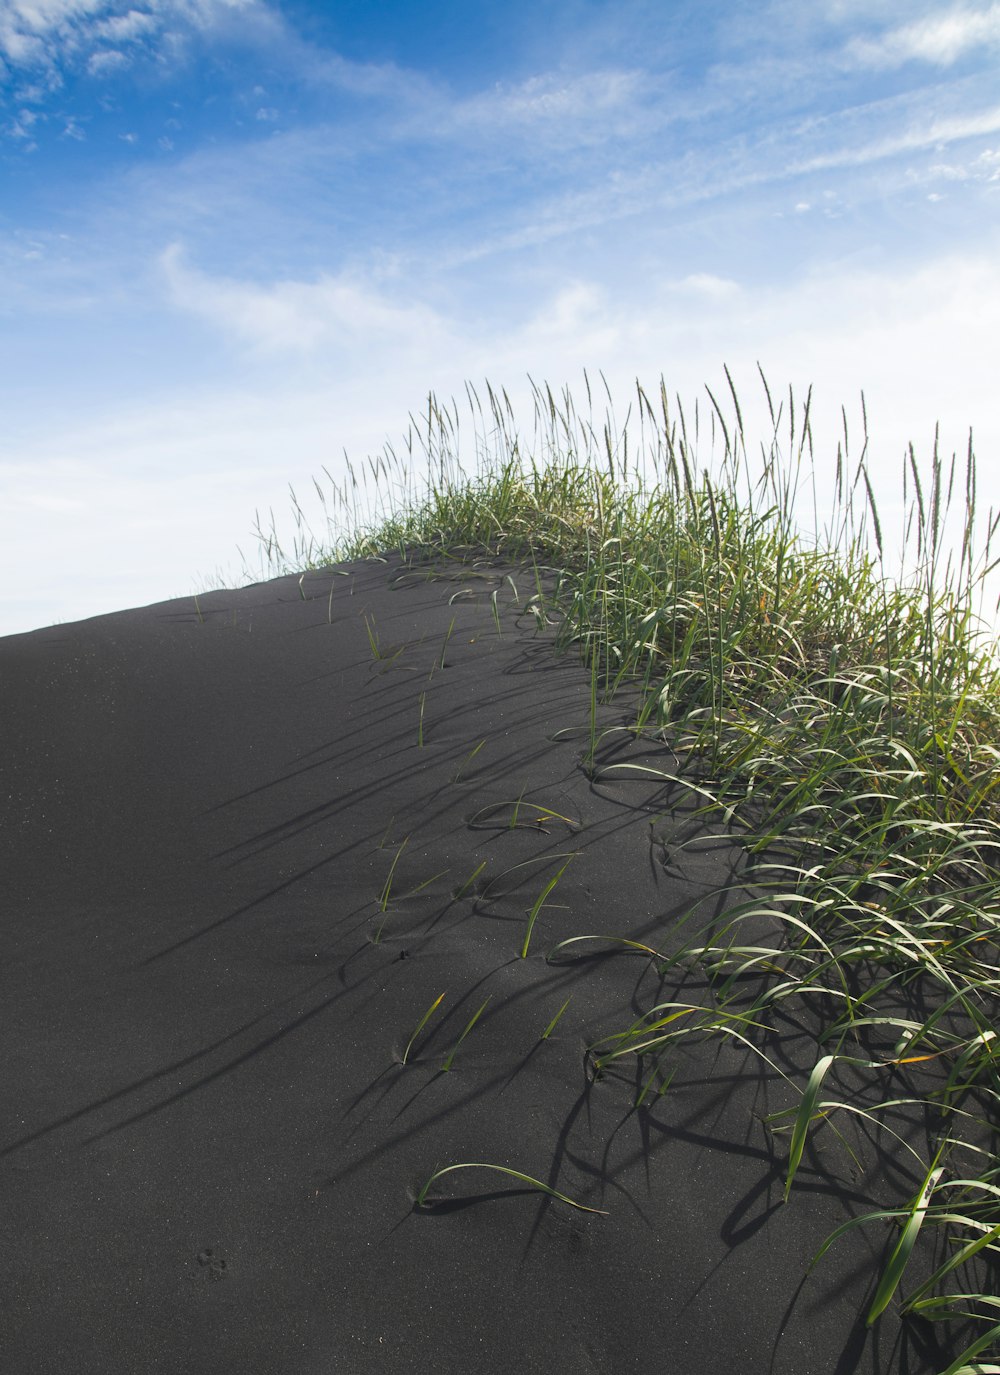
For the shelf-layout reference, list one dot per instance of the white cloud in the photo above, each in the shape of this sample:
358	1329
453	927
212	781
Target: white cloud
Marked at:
107	60
985	166
33	93
940	39
20	48
120	28
207	12
21	126
931	134
46	33
300	317
554	98
707	286
400	85
31	29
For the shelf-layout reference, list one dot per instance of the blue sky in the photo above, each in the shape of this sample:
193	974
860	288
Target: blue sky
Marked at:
238	237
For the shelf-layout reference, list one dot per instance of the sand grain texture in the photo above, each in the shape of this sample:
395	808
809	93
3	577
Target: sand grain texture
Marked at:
210	1150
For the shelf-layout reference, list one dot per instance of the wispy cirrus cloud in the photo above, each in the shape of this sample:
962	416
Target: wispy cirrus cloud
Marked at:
596	105
924	134
940	39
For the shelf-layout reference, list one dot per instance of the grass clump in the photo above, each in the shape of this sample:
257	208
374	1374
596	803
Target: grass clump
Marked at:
841	716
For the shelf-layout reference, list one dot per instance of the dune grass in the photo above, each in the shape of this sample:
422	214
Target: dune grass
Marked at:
842	720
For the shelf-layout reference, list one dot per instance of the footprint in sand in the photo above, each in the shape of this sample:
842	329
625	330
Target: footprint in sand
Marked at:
212	1263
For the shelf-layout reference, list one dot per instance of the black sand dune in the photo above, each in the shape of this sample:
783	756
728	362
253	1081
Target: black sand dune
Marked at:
246	843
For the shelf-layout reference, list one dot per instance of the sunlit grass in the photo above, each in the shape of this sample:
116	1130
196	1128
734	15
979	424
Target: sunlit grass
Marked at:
843	722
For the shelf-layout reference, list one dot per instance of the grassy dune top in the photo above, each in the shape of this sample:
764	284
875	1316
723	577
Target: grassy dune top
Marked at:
842	719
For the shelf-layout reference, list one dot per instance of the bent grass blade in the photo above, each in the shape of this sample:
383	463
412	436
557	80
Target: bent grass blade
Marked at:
513	1174
639	946
512	810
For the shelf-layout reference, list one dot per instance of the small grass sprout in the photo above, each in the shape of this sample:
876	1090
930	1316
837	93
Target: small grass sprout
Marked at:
538	904
382	654
468	1027
468	883
386	892
420	1026
440	662
552	1025
373	638
468	760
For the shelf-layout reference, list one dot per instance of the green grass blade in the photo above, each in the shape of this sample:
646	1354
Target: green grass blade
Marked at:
468	1027
513	1174
803	1118
383	901
552	1025
420	1026
539	903
899	1259
962	1364
463	888
965	1253
611	940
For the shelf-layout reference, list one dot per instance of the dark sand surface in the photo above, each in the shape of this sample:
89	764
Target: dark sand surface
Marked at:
210	1149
